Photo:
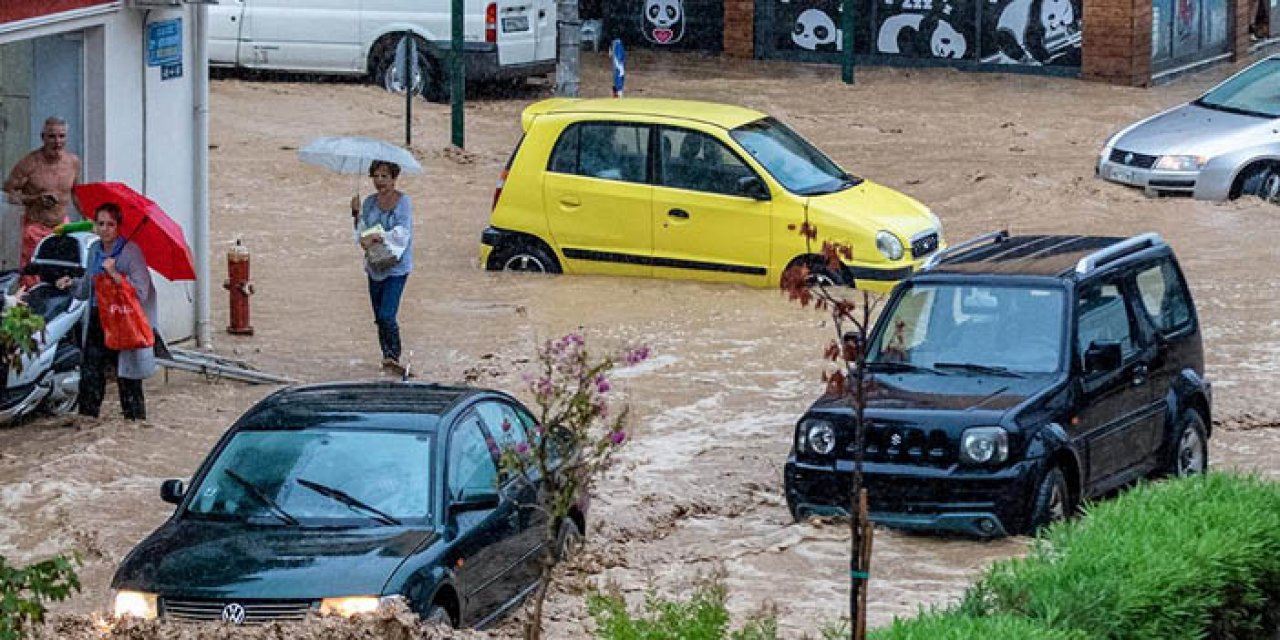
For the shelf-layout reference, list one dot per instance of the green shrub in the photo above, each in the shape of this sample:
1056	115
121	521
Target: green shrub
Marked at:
702	617
954	625
24	590
1179	559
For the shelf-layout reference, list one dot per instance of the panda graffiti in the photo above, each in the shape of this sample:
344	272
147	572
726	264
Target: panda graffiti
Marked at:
813	29
663	21
921	35
1036	32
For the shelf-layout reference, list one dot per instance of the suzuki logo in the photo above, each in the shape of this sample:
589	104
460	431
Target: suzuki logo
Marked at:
233	613
1128	158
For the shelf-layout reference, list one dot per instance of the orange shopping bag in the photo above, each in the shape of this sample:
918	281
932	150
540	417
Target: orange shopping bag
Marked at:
124	324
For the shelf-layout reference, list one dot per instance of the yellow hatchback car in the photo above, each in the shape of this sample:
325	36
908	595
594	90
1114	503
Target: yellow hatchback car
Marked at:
681	189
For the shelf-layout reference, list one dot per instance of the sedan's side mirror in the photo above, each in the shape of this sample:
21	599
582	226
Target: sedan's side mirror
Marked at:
172	491
1102	356
475	502
752	187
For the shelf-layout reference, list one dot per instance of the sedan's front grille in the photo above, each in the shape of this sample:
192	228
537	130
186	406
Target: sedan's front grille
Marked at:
255	611
924	245
1131	159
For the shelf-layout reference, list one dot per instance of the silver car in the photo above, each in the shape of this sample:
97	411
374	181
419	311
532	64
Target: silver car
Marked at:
1224	144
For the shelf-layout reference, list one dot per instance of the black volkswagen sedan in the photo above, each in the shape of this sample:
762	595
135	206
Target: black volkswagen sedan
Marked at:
341	498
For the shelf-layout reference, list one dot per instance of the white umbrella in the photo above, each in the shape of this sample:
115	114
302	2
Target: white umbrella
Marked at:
354	154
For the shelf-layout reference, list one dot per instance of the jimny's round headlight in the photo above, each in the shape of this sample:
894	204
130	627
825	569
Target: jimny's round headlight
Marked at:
889	245
819	435
984	445
1181	163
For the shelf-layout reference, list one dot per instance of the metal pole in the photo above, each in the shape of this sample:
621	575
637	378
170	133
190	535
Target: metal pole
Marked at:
457	79
846	41
200	177
569	33
410	61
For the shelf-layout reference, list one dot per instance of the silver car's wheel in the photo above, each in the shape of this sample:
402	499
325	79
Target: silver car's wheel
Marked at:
1271	187
1263	182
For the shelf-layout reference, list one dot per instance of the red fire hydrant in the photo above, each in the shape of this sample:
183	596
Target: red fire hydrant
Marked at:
240	286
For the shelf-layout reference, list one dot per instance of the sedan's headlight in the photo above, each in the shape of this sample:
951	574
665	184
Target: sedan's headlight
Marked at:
984	445
819	436
137	604
889	245
1181	163
356	605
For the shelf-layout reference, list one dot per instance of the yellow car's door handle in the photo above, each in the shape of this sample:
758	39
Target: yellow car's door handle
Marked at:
570	202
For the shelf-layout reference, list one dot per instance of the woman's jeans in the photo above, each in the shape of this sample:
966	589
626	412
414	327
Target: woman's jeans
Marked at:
93	376
385	296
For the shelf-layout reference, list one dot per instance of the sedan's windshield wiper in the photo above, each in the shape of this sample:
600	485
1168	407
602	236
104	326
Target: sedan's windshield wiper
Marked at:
979	368
347	499
895	366
254	491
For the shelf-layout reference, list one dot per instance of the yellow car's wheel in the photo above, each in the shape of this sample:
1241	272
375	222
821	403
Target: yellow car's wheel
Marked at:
525	257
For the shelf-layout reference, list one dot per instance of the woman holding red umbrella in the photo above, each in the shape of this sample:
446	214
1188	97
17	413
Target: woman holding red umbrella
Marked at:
119	259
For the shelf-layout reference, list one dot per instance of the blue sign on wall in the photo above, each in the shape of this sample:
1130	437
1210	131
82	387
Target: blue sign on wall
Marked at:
164	47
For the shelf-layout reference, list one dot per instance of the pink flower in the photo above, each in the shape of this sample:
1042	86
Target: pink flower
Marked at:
635	355
618	437
602	384
522	448
506	425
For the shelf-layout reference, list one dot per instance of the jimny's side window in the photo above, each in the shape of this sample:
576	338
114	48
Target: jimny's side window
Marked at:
605	150
1163	297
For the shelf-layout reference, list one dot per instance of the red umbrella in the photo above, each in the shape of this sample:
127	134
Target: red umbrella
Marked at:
145	224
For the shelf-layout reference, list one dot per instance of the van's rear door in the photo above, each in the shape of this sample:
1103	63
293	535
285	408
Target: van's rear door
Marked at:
545	30
517	41
225	19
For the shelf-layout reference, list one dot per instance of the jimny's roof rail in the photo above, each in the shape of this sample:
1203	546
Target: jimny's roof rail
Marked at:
1117	251
994	237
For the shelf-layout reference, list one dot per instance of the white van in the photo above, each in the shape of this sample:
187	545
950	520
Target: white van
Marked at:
503	39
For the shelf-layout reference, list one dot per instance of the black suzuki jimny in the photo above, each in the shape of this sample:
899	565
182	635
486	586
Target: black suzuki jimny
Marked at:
1012	377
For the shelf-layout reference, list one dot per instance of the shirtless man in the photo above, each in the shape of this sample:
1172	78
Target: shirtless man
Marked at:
41	182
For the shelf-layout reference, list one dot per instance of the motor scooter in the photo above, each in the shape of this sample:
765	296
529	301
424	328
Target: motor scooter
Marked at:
49	379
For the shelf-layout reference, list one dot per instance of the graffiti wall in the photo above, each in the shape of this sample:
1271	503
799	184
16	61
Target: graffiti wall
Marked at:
1022	32
666	24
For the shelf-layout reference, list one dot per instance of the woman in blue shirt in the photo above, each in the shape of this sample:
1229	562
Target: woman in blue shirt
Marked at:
386	218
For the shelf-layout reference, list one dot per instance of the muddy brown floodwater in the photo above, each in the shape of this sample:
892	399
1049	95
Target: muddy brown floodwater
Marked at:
699	489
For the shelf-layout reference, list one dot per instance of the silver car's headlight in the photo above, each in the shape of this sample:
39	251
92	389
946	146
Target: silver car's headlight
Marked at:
889	245
1181	163
984	445
818	436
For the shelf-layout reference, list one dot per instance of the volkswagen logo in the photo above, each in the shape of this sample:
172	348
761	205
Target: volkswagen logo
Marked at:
233	613
1128	158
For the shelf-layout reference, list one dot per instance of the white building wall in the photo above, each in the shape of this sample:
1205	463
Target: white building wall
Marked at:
139	128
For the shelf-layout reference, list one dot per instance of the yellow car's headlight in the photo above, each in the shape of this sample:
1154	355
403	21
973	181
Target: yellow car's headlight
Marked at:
137	604
354	605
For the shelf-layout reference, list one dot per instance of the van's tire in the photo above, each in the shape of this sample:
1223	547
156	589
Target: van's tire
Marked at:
1187	452
1052	501
430	84
525	257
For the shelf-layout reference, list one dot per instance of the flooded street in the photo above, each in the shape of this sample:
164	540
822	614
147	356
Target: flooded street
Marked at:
699	488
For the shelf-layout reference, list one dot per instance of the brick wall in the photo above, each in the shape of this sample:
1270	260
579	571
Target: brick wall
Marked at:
1116	46
739	28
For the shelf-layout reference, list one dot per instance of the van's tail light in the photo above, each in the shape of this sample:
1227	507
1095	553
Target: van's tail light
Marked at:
491	22
497	190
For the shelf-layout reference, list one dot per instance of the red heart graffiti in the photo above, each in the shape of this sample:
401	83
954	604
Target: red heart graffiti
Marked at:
663	35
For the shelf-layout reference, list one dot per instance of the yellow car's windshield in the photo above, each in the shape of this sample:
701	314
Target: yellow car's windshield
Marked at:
790	159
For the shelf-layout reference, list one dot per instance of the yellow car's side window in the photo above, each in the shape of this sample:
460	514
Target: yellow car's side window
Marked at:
606	150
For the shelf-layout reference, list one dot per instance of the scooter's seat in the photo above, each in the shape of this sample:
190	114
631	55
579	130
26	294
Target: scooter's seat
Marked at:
48	300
